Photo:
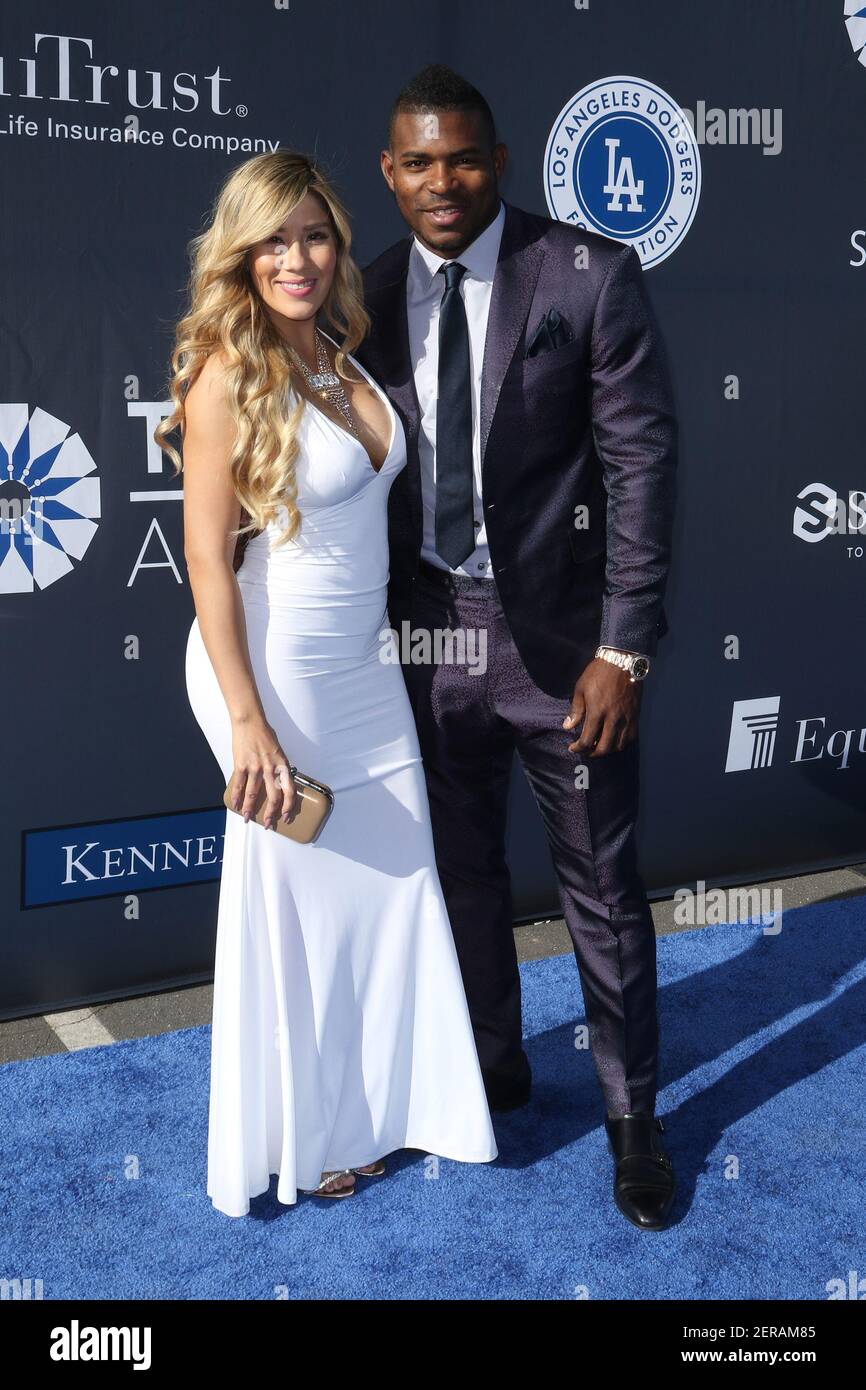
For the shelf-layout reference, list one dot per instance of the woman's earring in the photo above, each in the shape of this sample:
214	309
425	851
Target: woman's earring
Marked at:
279	252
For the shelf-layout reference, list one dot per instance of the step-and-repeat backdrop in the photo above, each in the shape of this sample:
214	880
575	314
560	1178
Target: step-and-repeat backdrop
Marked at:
726	142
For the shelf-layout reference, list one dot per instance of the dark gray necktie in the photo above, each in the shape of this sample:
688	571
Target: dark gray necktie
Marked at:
455	529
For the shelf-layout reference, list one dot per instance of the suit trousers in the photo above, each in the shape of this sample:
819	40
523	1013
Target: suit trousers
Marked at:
471	716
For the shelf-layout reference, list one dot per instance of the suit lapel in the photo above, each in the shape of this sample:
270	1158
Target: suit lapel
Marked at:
393	366
392	343
517	272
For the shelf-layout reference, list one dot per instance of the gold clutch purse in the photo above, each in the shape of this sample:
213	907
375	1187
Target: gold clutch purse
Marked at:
315	803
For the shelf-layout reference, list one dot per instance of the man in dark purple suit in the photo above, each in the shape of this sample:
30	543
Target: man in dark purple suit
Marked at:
536	509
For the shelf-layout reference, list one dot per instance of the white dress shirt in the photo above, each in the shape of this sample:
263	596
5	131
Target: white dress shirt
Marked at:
424	291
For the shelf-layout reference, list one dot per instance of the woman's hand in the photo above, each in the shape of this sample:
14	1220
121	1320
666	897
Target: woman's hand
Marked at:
259	760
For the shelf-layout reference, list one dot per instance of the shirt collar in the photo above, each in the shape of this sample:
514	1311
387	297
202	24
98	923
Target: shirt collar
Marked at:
479	258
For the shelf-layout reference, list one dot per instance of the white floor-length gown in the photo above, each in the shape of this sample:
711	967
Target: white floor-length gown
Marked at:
340	1027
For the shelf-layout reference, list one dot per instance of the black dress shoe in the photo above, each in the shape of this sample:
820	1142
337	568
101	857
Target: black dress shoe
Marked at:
498	1101
508	1093
644	1183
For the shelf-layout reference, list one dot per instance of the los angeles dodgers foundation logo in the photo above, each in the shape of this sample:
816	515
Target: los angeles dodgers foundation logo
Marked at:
622	160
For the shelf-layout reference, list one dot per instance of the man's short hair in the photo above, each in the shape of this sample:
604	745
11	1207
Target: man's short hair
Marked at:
439	88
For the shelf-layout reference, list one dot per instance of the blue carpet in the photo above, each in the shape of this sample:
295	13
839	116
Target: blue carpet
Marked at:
102	1156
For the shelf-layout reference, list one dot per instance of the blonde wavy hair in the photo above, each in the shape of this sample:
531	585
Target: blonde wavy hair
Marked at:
226	312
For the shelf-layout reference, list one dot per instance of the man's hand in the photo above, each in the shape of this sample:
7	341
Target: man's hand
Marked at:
608	701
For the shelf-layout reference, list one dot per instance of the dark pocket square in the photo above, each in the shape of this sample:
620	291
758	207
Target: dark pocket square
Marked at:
552	332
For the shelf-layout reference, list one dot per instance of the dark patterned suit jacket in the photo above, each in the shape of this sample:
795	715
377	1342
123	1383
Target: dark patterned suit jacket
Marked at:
581	432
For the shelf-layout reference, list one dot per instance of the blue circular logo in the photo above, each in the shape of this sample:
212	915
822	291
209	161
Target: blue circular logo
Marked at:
622	159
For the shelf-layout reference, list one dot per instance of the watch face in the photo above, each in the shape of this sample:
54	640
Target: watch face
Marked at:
640	667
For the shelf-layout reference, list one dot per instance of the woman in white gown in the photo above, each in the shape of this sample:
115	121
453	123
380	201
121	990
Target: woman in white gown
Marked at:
341	1031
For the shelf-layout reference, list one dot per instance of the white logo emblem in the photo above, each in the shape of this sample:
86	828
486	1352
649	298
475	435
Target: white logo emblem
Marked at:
855	23
48	504
753	733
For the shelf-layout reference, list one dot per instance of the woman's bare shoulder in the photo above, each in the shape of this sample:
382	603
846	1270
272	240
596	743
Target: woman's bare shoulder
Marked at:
209	417
209	388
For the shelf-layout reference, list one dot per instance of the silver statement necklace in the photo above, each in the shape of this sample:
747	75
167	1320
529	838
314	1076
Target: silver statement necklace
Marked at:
326	383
